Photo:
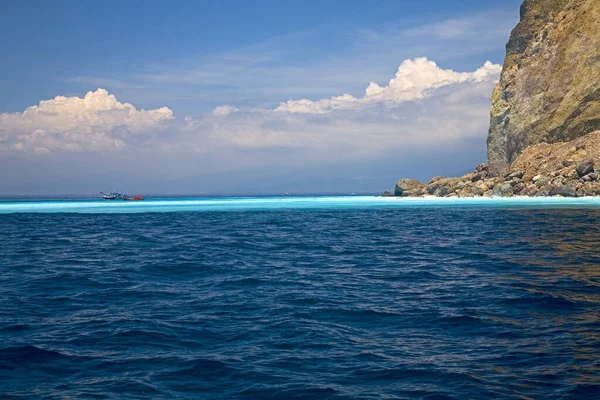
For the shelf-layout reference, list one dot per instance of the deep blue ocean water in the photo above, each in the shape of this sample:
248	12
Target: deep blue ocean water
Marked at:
333	300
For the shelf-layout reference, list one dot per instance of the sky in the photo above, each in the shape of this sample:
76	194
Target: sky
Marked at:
237	97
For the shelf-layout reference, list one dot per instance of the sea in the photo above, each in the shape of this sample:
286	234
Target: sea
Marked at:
321	297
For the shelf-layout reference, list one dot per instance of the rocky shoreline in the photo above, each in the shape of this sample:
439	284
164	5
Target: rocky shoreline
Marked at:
560	169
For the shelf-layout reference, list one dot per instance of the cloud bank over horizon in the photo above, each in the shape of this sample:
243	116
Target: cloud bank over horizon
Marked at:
410	111
423	111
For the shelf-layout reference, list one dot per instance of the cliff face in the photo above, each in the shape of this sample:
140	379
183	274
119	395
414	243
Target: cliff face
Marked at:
549	90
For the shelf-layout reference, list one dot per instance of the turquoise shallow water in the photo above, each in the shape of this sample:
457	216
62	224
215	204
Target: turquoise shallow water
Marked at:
280	203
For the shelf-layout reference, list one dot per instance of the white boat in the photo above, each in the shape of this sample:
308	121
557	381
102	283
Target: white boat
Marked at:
112	196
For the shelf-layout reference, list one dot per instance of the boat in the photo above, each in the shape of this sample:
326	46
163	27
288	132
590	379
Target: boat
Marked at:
121	196
137	197
111	195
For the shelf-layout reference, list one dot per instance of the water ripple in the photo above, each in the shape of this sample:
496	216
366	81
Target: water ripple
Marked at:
432	303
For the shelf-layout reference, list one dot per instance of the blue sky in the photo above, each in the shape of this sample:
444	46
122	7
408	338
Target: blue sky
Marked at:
194	56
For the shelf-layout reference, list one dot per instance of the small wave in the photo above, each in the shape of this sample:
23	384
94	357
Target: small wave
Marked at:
144	337
133	387
303	300
368	356
15	328
296	394
28	354
243	282
62	242
360	312
585	391
457	321
198	368
394	374
537	300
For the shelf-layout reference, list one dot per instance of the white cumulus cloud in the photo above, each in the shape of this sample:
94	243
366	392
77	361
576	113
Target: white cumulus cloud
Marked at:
414	80
98	121
224	110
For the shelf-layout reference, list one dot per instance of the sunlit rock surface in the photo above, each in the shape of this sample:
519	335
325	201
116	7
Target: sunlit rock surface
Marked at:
549	90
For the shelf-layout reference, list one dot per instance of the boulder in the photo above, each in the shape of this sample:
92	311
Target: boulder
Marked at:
477	190
482	168
483	186
435	179
586	178
465	192
445	186
519	188
387	194
503	190
515	182
570	173
563	190
529	190
590	189
515	174
465	179
440	191
544	190
559	181
541	181
477	177
413	193
411	185
585	167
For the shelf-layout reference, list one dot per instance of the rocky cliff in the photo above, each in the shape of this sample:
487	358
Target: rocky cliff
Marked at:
544	137
549	90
